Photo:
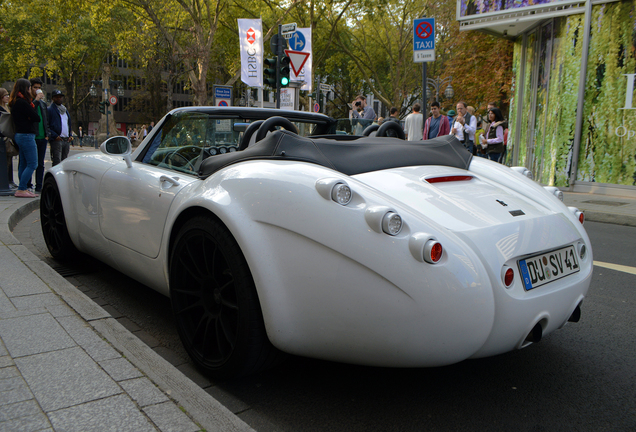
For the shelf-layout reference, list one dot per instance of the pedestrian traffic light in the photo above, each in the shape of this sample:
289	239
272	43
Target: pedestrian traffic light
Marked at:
284	70
269	72
102	107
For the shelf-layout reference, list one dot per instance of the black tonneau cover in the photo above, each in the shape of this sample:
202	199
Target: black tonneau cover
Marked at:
363	155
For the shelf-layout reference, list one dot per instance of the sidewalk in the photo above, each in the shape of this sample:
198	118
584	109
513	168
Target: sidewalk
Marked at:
67	365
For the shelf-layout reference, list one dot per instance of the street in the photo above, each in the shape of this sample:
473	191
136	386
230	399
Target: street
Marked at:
582	377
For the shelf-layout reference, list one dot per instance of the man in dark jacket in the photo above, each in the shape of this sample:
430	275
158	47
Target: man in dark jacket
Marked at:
60	126
42	135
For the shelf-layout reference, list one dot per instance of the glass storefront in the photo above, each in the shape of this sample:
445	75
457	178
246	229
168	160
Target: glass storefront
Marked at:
548	61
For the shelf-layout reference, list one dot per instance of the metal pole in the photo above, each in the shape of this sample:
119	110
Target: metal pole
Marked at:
279	51
579	106
424	99
106	106
5	190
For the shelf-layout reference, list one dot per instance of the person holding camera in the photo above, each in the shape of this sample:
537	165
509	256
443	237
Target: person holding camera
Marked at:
361	110
60	125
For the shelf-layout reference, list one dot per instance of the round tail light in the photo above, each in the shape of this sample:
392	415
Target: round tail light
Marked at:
433	252
509	276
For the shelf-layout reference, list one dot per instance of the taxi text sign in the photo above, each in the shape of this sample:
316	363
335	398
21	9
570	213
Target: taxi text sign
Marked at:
423	40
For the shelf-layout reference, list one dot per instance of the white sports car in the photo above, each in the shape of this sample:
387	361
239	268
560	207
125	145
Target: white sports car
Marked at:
361	249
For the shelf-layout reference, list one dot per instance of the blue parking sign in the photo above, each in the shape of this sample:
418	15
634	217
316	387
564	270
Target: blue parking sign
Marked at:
424	39
423	34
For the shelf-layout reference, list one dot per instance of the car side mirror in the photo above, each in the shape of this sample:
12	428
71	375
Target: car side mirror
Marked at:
118	145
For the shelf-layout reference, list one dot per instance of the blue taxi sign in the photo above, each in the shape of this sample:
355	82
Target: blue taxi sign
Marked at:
423	40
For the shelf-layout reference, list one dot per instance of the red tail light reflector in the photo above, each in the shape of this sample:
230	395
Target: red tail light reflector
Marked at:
450	178
581	218
509	277
433	251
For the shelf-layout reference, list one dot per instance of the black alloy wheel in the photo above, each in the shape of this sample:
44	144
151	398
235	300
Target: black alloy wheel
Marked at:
215	303
53	223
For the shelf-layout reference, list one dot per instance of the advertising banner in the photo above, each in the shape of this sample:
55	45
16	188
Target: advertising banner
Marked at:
251	43
301	41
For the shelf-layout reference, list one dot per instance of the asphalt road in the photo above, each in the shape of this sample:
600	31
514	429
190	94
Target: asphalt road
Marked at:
582	377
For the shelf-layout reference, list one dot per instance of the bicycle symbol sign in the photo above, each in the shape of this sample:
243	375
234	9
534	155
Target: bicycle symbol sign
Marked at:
424	30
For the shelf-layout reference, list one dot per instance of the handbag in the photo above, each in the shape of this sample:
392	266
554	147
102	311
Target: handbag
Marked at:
12	148
7	128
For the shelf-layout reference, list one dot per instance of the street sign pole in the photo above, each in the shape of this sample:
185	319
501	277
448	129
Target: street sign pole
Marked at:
424	99
279	50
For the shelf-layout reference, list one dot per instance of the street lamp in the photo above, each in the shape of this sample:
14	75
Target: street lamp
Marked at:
438	83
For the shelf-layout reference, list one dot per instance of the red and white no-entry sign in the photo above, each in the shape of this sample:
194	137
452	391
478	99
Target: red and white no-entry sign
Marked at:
113	100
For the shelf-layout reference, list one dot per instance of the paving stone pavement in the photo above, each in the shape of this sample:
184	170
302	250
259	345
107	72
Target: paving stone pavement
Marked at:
67	365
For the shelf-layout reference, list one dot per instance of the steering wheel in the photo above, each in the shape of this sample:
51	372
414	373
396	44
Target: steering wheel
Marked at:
247	135
270	125
390	126
367	131
183	157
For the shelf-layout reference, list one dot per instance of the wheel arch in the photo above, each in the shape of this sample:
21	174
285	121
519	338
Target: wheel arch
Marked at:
185	216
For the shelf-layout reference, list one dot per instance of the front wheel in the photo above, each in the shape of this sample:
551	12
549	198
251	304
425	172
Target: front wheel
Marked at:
53	223
215	304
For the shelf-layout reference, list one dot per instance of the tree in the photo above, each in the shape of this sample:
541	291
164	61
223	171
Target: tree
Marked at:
189	28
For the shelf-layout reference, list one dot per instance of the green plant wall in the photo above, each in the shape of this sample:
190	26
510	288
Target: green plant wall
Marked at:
554	164
608	142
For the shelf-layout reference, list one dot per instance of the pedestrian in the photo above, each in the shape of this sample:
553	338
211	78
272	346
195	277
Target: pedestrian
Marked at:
413	124
380	121
4	106
393	115
451	116
478	133
26	119
493	141
360	110
152	125
437	124
465	126
144	132
60	125
43	130
134	136
80	135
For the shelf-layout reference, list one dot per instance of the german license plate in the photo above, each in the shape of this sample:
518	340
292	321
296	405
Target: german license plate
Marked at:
542	269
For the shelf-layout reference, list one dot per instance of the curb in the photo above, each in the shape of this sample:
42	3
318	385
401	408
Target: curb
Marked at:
595	216
206	411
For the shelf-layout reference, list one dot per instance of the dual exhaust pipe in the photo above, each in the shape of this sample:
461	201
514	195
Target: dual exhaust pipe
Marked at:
536	333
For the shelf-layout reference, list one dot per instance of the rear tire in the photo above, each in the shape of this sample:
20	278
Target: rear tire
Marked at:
53	223
215	303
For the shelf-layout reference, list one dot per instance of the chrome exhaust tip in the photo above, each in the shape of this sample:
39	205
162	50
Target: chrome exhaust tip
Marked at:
535	334
576	315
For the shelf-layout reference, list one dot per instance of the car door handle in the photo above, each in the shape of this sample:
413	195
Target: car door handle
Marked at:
173	180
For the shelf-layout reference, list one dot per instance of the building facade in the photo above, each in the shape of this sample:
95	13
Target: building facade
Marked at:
573	116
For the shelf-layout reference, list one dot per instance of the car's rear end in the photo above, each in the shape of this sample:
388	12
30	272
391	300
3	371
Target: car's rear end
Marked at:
534	249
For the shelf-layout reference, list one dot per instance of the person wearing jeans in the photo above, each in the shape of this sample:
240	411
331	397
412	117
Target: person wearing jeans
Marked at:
26	119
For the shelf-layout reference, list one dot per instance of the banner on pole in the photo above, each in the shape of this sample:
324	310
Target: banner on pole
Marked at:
301	41
251	44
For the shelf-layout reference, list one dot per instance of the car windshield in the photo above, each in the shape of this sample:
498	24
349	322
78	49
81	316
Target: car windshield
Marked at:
186	138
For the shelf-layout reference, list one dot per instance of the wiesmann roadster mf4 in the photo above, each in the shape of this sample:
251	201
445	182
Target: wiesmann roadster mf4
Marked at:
281	232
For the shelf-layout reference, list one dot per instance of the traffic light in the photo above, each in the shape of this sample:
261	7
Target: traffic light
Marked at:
102	107
284	70
269	72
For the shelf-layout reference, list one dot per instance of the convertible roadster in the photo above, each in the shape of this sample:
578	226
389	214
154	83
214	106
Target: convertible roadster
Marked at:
280	232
